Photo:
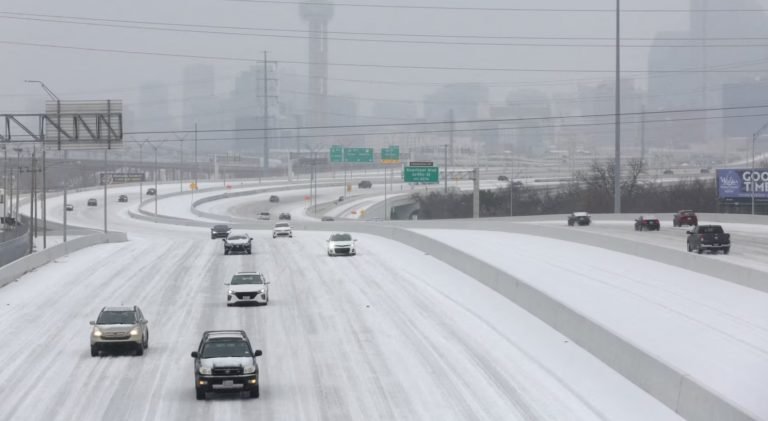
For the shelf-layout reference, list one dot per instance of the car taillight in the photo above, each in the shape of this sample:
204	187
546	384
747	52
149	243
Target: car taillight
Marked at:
701	237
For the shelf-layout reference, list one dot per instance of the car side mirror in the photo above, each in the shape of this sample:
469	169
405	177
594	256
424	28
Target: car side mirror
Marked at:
145	321
194	354
224	240
92	323
257	353
267	283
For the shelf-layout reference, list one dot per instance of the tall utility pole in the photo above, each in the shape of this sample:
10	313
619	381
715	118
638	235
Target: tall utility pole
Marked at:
451	119
617	164
266	115
642	135
32	202
156	192
193	190
5	180
106	180
141	165
445	173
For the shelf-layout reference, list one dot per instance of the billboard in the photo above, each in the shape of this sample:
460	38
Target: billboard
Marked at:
742	183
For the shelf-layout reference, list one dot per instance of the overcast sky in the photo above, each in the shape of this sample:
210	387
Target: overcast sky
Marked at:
74	74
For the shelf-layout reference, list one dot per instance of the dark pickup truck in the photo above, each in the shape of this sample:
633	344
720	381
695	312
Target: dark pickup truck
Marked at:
709	237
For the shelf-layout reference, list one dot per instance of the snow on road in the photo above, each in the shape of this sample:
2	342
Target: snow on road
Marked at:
715	331
388	334
749	241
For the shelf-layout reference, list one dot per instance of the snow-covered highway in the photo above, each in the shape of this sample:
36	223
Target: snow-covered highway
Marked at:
389	334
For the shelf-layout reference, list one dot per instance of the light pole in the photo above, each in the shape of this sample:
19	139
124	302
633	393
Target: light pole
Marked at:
141	165
617	163
58	138
18	180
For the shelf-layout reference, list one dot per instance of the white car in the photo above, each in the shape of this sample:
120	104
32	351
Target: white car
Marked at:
341	244
264	216
282	229
248	287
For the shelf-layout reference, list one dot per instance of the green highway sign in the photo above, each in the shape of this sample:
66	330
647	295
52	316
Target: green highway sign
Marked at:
337	153
390	155
358	155
421	175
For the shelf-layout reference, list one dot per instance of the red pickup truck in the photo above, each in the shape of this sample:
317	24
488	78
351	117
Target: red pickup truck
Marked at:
685	217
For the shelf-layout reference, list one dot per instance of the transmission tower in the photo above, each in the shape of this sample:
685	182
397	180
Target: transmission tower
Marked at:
318	14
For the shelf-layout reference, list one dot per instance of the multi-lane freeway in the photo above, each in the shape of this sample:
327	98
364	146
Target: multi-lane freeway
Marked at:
389	334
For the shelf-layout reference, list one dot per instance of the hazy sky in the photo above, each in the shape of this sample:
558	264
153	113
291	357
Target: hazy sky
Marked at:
76	74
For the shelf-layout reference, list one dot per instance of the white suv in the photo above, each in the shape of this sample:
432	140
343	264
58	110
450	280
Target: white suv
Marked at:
282	229
248	287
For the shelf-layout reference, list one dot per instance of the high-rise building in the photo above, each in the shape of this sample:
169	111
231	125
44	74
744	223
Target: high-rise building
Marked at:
247	104
152	111
317	14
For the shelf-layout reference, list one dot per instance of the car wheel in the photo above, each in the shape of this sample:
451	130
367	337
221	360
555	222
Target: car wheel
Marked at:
146	341
226	252
699	249
726	250
255	392
249	251
140	349
200	394
94	351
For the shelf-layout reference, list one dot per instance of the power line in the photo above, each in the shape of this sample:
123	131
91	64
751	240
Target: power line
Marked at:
499	120
389	34
481	129
494	9
385	41
372	65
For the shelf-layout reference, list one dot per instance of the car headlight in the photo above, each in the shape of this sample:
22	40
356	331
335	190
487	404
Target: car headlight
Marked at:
134	331
230	292
206	371
249	369
96	331
261	291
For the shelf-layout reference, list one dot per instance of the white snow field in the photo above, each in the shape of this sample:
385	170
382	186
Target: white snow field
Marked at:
389	334
713	330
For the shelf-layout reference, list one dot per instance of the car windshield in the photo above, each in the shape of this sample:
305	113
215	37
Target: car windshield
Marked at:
236	237
117	318
247	279
220	227
713	229
686	213
341	237
229	348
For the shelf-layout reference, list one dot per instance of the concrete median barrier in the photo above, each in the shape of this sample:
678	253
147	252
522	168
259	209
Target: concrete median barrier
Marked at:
18	268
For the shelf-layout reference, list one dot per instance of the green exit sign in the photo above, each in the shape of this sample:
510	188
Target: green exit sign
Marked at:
390	155
358	154
337	153
421	175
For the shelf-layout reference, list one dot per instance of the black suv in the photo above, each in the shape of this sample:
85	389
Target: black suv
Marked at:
225	362
274	199
579	218
365	184
151	191
220	231
285	216
92	202
122	198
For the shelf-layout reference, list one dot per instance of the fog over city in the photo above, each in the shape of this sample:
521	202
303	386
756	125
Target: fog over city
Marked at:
555	60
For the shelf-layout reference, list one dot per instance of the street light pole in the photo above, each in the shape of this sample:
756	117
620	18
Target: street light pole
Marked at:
617	164
58	137
156	193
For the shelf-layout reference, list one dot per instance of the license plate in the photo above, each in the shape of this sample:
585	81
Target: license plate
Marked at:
228	383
